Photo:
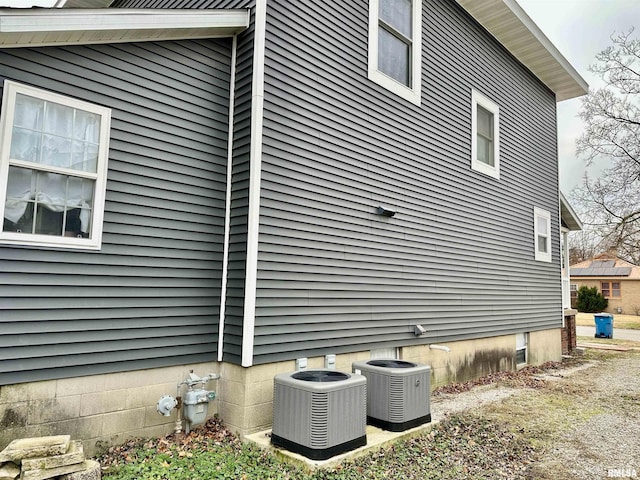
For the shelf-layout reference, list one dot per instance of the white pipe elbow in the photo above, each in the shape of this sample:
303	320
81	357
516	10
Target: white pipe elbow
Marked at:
440	347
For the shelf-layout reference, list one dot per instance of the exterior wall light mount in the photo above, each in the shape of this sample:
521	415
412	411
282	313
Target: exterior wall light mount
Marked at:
385	212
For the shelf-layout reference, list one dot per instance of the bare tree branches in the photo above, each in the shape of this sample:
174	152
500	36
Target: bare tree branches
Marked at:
610	205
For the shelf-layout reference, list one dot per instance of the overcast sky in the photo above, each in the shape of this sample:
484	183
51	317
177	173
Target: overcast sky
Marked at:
579	29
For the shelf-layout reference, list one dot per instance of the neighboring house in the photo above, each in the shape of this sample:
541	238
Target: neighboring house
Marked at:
617	280
233	188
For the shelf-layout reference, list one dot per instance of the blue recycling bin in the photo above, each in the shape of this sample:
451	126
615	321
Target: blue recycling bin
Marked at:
604	325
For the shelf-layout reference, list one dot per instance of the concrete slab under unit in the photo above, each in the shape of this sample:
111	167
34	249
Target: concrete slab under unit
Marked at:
376	438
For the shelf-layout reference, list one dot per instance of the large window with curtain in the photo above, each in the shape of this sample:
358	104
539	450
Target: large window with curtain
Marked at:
53	168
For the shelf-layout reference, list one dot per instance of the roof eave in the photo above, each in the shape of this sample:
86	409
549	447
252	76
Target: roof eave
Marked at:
57	27
568	215
513	28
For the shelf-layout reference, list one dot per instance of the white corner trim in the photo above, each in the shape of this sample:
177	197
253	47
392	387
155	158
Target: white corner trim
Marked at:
253	216
227	210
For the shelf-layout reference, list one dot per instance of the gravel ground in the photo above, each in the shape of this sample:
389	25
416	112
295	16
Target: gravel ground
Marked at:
578	420
449	403
607	445
604	445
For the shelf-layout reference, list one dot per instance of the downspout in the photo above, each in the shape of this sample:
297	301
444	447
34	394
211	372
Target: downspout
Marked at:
227	212
255	169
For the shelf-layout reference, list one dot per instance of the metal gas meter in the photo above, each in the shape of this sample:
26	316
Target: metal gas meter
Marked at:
194	404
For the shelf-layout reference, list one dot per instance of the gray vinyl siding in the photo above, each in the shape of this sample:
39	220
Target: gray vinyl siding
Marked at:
234	315
458	257
151	296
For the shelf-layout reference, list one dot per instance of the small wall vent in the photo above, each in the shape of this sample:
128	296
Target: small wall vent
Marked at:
398	393
319	413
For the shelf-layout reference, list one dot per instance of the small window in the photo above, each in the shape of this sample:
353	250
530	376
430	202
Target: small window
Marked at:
542	235
610	289
395	46
522	339
53	167
485	141
574	290
391	352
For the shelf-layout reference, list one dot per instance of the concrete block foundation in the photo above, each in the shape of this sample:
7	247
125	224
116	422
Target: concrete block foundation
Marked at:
103	410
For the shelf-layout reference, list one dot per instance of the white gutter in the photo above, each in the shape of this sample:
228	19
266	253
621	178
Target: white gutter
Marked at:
255	169
227	212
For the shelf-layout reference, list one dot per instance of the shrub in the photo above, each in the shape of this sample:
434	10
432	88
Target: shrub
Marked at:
590	300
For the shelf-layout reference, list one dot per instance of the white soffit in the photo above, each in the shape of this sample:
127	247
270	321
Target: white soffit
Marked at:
50	27
568	215
513	28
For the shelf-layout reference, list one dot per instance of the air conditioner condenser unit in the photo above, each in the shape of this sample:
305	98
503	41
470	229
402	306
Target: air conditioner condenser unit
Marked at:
398	393
319	413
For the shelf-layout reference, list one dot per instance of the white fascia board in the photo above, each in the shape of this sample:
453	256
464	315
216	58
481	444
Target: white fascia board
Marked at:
50	27
569	215
518	33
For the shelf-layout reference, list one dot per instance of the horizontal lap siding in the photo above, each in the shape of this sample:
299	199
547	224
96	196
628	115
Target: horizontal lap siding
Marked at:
234	314
458	256
150	297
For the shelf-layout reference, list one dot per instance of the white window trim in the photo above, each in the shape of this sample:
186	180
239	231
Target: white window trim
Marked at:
522	347
413	93
479	99
94	242
541	256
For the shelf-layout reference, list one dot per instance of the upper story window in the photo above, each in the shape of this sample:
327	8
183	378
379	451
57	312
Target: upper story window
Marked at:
53	168
395	46
542	219
485	135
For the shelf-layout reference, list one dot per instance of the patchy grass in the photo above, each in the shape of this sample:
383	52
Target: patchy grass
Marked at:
608	341
462	446
520	437
504	440
207	452
631	322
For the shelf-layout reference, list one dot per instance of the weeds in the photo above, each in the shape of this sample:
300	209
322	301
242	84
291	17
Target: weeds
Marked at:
462	446
511	439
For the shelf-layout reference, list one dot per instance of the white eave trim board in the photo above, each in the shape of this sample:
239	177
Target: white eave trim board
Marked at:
51	27
569	215
514	29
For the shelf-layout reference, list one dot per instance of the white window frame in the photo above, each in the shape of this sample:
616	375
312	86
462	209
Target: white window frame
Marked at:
539	255
390	352
412	92
478	99
522	344
94	241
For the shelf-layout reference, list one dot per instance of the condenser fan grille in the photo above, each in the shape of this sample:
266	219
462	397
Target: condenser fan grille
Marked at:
391	363
320	376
